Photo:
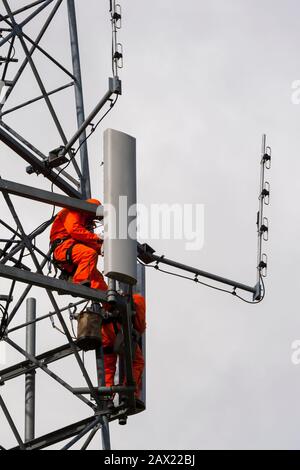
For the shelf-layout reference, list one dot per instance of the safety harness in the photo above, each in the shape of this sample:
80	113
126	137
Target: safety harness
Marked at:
118	347
58	263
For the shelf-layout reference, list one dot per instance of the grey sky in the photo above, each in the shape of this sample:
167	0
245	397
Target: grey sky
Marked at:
202	81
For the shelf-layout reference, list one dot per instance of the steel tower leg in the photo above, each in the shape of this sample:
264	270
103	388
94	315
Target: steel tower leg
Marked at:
85	171
30	377
101	383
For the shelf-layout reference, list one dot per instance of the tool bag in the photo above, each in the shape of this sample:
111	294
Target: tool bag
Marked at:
89	330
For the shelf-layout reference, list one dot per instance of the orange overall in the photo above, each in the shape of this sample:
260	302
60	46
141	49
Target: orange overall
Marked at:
69	227
108	338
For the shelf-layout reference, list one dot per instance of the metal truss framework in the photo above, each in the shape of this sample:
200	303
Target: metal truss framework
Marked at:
18	245
76	188
23	274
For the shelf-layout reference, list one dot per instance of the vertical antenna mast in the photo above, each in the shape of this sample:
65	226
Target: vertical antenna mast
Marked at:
262	221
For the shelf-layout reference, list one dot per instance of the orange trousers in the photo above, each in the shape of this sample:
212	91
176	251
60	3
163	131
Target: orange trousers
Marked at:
110	360
85	260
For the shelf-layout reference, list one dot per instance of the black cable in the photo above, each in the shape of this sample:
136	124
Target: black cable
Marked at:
255	301
196	280
99	122
73	330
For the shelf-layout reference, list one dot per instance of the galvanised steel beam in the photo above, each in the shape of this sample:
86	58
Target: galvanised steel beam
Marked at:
97	421
125	389
24	367
79	360
63	287
9	56
27	20
52	59
34	100
36	151
89	439
47	371
15	261
38	39
57	436
37	164
30	382
44	317
88	120
47	197
23	141
20	246
48	102
74	43
21	10
144	250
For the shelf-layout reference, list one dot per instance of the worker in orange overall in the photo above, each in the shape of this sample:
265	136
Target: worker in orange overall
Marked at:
110	332
76	250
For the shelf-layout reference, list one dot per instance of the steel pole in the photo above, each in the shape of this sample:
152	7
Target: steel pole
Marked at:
88	121
261	207
199	272
30	376
85	171
105	433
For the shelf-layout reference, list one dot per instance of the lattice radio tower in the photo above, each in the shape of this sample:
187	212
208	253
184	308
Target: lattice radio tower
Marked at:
24	261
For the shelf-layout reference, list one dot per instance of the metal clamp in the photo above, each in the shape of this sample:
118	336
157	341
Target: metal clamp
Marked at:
267	158
264	229
264	200
263	265
117	16
117	48
118	56
266	193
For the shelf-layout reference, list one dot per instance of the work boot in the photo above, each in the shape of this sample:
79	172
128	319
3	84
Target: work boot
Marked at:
108	404
123	421
139	405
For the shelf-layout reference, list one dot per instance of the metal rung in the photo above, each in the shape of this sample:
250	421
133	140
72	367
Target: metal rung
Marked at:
106	390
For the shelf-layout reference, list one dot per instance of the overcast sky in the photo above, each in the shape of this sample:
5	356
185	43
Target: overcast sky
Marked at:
202	81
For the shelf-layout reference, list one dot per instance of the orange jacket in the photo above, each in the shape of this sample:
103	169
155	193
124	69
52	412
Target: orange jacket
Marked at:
72	224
